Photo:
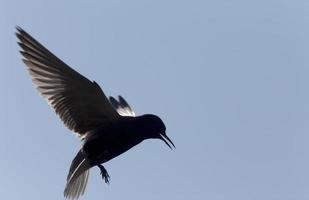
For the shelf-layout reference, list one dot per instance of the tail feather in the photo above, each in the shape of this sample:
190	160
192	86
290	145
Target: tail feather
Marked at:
77	177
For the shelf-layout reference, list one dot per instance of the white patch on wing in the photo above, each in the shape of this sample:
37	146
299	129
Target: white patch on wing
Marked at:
121	106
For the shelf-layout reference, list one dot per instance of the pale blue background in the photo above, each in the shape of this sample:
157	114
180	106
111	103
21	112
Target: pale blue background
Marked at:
230	78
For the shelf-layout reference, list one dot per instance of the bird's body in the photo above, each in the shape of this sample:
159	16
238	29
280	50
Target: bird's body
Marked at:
107	142
107	127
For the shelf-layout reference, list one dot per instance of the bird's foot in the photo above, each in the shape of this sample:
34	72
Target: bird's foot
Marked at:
104	174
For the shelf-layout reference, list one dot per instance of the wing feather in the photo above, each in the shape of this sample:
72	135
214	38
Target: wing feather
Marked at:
80	103
122	106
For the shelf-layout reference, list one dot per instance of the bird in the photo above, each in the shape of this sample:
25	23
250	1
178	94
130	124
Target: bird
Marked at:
106	126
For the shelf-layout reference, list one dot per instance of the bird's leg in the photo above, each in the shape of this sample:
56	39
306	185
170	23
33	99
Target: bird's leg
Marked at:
104	174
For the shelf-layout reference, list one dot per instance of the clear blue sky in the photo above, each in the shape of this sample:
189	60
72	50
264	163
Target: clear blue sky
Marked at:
230	79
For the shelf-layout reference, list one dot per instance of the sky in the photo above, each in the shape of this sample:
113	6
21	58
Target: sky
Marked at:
229	78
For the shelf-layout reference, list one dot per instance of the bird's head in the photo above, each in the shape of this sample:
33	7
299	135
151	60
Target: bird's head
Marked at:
155	128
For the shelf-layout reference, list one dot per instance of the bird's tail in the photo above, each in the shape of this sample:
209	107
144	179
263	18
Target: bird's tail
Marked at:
77	177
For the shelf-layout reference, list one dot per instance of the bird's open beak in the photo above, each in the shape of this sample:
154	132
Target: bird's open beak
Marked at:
167	141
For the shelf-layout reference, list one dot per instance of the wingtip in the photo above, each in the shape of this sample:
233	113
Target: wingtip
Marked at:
20	34
19	30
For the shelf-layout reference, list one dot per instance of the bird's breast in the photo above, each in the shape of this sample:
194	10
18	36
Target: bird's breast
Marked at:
106	143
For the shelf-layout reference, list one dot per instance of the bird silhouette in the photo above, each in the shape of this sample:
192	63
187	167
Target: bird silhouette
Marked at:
107	127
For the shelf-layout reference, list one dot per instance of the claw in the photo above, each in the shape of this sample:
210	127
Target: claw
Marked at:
104	174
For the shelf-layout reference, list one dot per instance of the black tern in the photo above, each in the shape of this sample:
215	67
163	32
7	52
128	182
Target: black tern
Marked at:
107	127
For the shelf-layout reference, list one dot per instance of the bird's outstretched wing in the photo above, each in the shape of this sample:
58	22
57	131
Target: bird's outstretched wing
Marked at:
122	106
80	103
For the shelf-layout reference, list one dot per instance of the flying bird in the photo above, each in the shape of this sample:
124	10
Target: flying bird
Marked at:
106	126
